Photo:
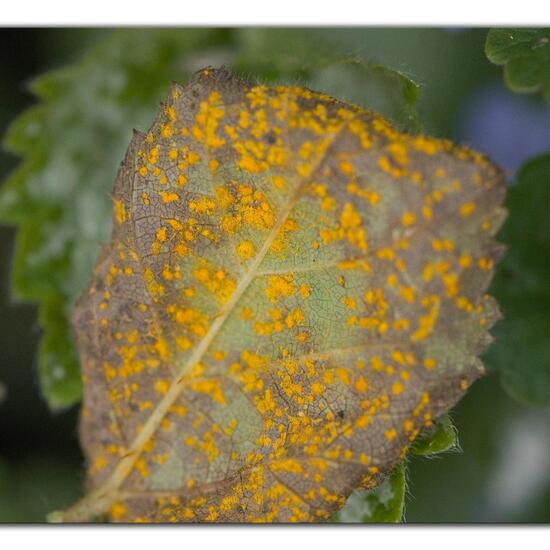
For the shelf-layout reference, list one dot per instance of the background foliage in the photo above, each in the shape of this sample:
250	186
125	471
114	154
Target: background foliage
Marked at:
73	138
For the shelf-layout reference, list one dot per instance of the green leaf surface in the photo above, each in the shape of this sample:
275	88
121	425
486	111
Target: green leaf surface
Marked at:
276	53
71	144
438	439
32	484
385	504
522	350
72	141
525	54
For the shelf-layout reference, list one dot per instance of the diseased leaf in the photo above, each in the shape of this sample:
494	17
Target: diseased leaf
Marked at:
385	504
439	438
525	54
522	355
292	292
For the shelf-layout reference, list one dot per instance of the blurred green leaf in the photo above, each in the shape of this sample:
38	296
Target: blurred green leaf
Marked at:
441	437
525	54
71	144
522	350
385	504
33	484
457	487
73	139
296	55
58	364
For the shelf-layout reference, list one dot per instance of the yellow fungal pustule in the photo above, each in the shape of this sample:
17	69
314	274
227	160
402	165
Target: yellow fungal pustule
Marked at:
409	218
246	250
467	209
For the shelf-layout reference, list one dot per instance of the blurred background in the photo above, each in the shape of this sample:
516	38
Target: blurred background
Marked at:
501	474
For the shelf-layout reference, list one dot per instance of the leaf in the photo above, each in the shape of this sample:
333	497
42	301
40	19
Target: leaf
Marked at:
292	292
388	91
439	438
385	504
273	53
525	54
522	355
32	483
72	142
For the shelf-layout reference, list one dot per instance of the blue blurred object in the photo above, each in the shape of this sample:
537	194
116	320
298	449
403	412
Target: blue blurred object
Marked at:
510	128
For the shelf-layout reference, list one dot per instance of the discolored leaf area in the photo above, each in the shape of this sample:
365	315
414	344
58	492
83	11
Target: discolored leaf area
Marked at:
293	291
